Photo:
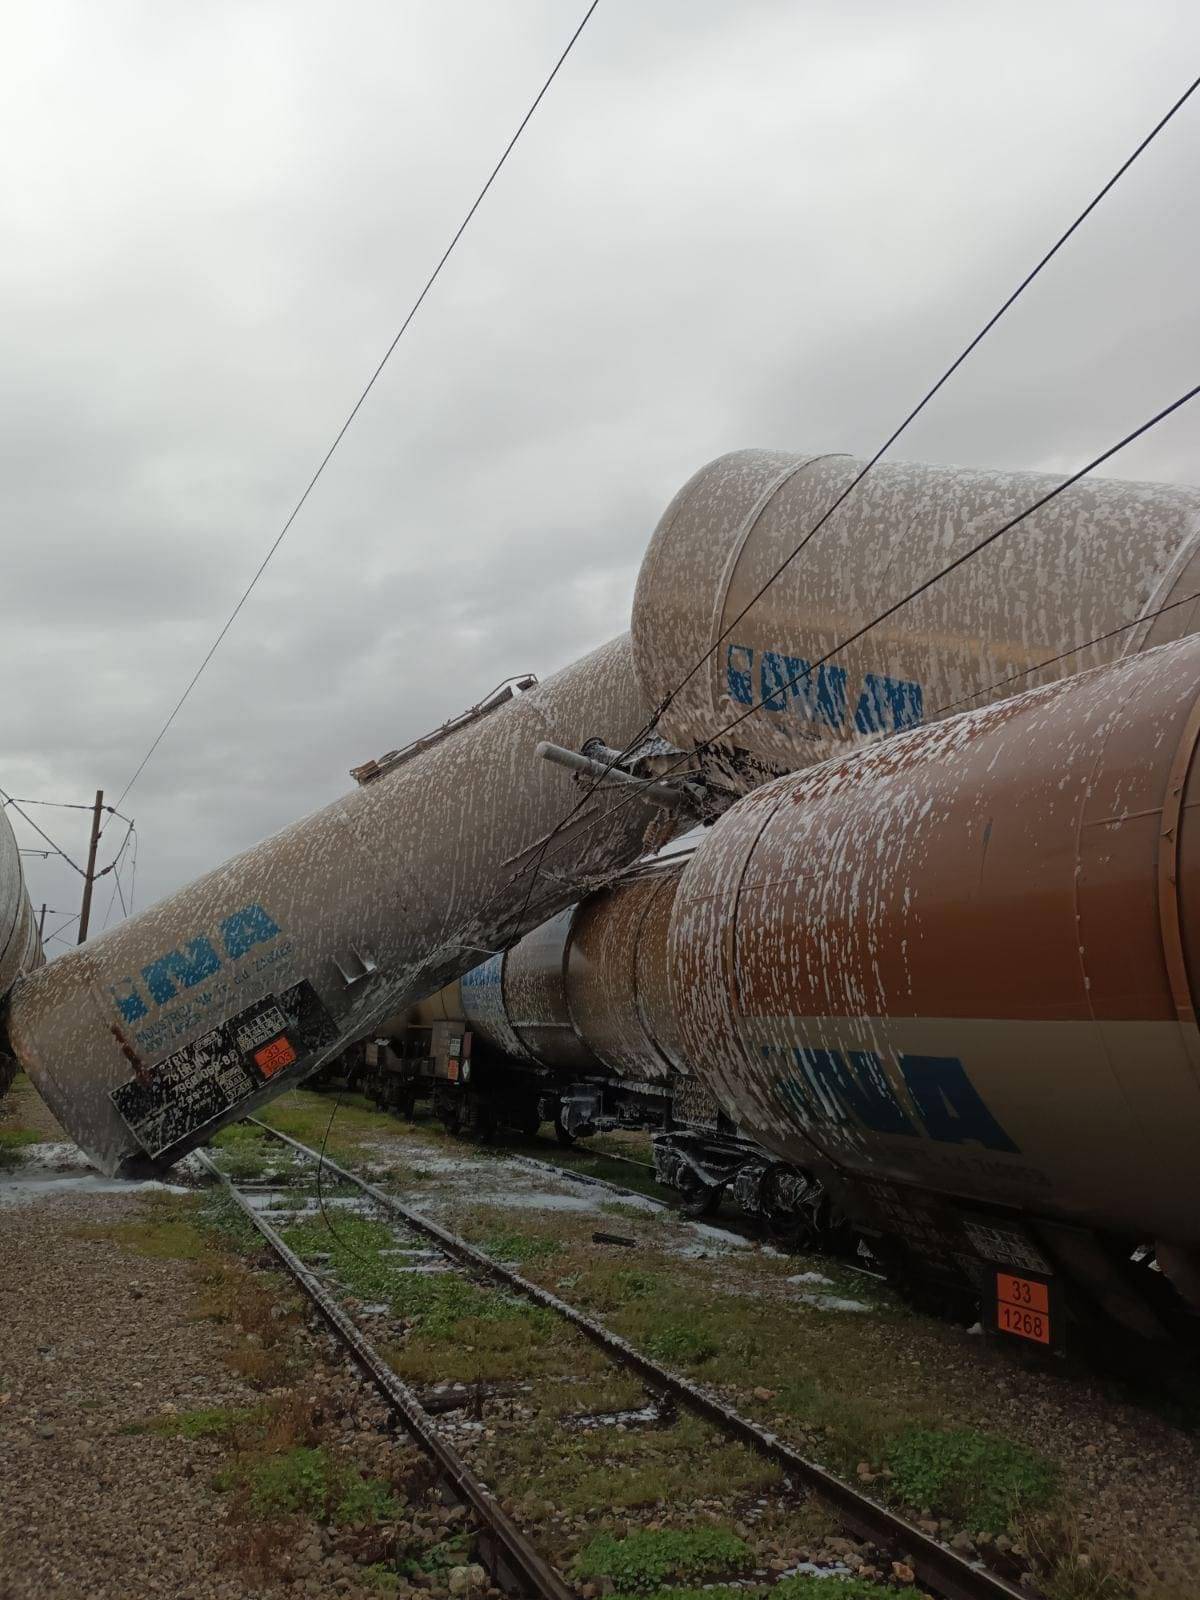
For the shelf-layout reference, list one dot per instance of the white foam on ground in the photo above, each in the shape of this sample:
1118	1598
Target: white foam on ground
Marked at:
19	1189
833	1302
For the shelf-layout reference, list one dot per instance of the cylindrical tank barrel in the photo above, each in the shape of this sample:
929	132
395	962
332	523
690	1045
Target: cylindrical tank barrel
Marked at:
966	958
616	978
20	941
20	946
1101	555
588	989
535	996
195	1011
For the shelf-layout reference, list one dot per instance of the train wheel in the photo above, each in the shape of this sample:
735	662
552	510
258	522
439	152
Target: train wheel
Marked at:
699	1199
560	1133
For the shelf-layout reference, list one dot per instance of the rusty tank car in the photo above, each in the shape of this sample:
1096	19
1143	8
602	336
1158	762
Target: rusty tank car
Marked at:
197	1010
937	995
955	974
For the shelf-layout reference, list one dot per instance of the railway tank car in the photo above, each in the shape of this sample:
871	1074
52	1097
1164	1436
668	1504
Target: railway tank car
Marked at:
20	943
739	538
956	973
570	1023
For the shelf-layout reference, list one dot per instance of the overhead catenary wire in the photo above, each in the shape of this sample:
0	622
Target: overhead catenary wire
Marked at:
116	872
354	410
1065	655
57	933
41	832
649	726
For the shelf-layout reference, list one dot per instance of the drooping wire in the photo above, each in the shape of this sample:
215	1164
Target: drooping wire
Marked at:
342	431
57	933
115	869
649	726
60	805
325	1217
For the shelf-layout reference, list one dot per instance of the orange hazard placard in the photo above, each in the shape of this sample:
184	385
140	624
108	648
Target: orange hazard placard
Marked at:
1023	1307
273	1057
1027	1293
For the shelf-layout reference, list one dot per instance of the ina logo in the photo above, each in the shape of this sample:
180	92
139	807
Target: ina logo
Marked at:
193	962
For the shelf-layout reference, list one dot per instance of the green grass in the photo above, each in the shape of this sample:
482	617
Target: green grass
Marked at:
307	1481
682	1344
976	1479
13	1141
508	1245
649	1560
217	1422
306	1116
437	1301
169	1229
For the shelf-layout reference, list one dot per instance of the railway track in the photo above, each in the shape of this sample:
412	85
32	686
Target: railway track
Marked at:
504	1548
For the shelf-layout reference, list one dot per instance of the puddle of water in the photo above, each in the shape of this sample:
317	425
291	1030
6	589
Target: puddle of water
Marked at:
809	1570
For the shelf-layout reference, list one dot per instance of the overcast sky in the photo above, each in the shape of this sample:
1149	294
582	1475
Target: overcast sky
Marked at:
759	222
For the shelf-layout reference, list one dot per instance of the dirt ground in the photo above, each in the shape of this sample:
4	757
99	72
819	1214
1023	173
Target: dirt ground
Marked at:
142	1366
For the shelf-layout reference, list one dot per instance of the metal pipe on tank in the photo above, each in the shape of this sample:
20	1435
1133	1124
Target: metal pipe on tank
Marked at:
1104	554
199	1009
963	959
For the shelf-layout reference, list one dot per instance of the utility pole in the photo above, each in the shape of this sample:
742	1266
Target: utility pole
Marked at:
42	921
89	879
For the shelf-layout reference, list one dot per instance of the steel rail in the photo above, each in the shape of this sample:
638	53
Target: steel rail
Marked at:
934	1564
505	1551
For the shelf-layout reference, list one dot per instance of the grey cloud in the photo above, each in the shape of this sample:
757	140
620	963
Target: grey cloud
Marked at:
754	224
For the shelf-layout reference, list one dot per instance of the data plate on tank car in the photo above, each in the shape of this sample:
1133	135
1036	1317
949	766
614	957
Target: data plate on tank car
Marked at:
1024	1308
202	1082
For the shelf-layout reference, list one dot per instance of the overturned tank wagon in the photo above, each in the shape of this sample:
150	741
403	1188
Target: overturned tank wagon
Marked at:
1103	554
20	943
197	1010
957	973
